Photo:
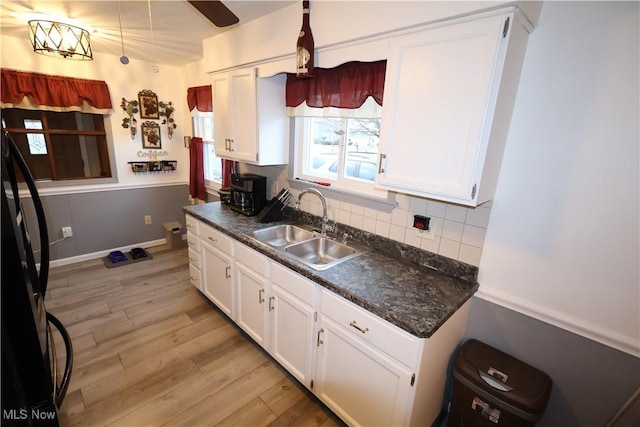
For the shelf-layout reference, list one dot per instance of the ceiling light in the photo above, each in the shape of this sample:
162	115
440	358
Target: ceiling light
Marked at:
59	39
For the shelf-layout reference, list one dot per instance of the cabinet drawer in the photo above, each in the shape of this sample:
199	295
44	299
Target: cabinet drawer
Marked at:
195	276
194	258
397	343
296	285
192	225
215	238
193	242
252	259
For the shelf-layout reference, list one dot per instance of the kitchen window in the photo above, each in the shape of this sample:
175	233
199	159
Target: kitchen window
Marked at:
60	146
338	150
337	125
203	128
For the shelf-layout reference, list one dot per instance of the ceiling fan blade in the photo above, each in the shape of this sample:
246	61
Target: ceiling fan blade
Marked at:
216	12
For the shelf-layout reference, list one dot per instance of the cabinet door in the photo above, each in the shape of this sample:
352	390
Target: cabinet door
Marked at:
244	146
221	114
361	384
440	92
252	303
292	324
216	272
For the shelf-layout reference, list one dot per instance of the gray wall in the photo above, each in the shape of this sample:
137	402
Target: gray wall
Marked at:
591	382
105	220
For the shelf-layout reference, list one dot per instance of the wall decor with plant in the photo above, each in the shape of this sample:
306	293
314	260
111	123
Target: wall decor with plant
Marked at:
148	106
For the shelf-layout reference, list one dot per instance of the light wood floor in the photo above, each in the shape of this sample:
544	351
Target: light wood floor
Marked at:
151	350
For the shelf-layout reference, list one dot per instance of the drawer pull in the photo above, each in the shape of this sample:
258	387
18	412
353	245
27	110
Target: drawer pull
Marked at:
227	272
319	340
271	307
212	239
189	226
191	243
193	279
260	296
364	331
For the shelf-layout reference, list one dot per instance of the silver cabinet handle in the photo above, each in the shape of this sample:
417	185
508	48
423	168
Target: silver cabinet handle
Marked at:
271	307
353	324
227	272
260	296
380	168
321	331
212	239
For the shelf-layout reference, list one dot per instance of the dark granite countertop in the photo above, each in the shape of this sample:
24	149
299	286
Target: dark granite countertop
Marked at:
396	282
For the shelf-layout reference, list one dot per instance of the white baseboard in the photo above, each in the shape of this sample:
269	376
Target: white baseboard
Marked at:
100	254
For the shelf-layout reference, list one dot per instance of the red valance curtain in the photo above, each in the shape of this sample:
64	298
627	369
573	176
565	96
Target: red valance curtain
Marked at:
200	97
196	169
55	93
345	86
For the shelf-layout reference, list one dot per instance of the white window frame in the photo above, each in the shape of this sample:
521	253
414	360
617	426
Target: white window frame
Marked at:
203	128
303	141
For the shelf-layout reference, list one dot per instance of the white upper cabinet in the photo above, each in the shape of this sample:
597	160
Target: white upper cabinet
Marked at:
447	108
249	114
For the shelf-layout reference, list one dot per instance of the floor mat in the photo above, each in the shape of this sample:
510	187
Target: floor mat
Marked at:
136	255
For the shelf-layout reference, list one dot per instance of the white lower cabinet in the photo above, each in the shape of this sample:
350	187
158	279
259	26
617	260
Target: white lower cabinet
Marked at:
358	382
195	264
252	287
368	371
365	366
217	266
292	320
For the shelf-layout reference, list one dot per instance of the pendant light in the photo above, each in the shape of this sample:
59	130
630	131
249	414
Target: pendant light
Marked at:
154	67
124	59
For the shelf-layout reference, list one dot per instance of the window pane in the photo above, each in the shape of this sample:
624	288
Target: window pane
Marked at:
325	136
212	164
79	156
363	137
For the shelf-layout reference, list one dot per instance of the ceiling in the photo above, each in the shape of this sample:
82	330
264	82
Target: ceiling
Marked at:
173	35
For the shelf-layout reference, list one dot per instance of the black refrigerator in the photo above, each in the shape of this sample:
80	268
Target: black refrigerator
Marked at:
33	385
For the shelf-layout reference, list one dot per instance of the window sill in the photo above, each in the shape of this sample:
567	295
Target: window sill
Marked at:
377	203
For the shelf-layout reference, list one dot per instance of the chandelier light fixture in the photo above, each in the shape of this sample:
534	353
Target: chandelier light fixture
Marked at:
59	39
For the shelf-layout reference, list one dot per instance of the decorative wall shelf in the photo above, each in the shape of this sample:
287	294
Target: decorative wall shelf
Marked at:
154	166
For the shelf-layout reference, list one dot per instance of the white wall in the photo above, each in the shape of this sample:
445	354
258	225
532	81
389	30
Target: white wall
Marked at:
123	81
562	243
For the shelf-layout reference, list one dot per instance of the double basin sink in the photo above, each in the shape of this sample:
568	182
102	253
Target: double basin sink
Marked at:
308	247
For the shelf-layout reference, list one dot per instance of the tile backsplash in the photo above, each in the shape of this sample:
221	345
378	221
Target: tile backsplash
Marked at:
459	230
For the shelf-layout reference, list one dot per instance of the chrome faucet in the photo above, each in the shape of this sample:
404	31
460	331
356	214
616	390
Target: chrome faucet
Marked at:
325	218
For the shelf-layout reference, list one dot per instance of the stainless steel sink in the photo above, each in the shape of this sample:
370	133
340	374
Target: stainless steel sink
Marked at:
280	236
321	253
308	247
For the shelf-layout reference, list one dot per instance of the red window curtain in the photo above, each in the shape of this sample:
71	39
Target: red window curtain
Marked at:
56	93
200	97
345	86
196	169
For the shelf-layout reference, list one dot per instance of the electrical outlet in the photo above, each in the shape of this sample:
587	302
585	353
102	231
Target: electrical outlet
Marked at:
67	232
147	220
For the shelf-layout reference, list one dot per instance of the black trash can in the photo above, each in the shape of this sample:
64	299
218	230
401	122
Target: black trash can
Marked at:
493	388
